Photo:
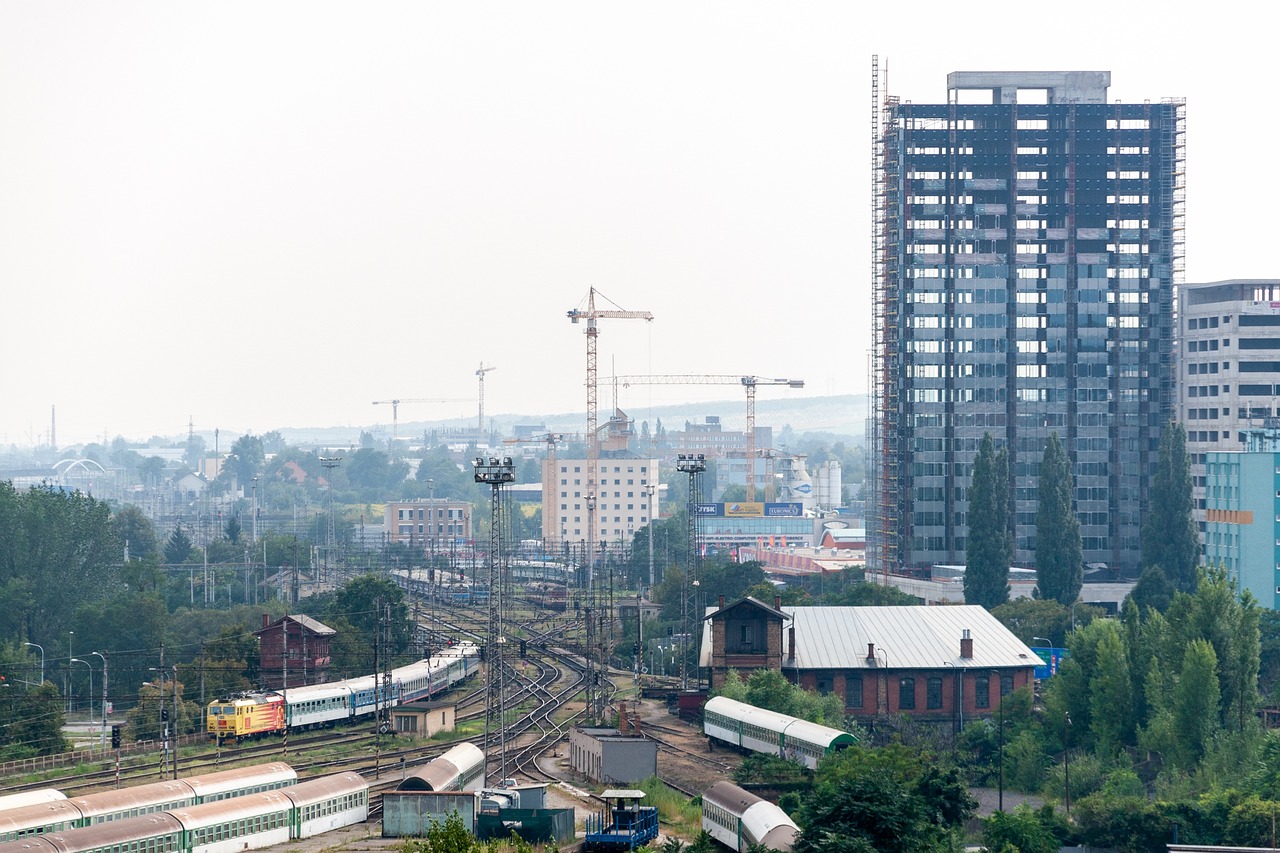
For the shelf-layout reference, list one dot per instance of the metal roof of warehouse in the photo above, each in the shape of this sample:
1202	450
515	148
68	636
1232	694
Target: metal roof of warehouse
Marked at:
905	637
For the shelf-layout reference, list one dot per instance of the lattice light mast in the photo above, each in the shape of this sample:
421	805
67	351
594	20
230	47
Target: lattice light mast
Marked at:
692	464
495	472
328	463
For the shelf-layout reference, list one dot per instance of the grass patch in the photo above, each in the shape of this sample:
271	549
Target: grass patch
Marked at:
675	810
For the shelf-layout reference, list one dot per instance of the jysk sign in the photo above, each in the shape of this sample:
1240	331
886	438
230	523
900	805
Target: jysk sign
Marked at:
750	509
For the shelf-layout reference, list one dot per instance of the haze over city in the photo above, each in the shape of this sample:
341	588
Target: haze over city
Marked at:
261	216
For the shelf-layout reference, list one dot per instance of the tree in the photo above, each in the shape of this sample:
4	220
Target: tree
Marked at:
1153	590
135	532
1020	830
892	800
1059	552
245	460
178	547
989	548
37	725
233	529
1170	536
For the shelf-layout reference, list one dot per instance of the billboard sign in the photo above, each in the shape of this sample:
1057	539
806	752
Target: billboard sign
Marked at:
710	510
744	509
784	510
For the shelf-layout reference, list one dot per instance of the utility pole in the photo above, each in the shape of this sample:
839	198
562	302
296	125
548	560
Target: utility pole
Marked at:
329	463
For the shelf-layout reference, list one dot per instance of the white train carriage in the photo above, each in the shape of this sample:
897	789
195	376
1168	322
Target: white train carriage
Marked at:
743	725
740	820
414	680
459	769
243	823
757	730
36	819
318	705
322	805
30	798
226	784
108	806
153	833
370	693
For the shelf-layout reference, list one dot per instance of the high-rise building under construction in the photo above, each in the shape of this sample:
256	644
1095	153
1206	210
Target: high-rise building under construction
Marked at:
1028	236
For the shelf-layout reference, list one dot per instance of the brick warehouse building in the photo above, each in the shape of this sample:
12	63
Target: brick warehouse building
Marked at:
308	650
933	663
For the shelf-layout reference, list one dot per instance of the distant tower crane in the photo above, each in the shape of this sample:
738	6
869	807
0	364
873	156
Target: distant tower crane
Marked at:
395	408
591	315
748	382
480	417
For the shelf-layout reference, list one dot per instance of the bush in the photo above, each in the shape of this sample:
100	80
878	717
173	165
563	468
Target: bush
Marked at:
1021	830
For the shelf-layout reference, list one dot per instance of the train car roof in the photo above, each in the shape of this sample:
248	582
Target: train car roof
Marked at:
37	814
27	844
30	798
325	788
318	691
444	769
770	720
730	797
819	734
212	784
250	805
106	802
112	832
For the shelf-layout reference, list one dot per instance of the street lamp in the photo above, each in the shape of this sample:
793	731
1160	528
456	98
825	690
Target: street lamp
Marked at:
1048	643
104	700
71	635
90	666
41	648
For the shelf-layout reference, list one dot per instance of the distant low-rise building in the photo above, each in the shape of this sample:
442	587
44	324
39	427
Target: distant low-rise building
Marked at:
302	642
432	523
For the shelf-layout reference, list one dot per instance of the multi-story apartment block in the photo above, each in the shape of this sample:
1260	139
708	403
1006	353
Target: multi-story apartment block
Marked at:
432	524
1026	254
1242	525
1228	366
627	488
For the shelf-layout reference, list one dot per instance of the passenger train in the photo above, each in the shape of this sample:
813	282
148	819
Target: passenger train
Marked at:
459	769
246	822
757	730
109	806
740	820
255	714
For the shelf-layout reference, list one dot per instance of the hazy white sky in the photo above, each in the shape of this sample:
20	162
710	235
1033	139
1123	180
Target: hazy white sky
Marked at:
259	215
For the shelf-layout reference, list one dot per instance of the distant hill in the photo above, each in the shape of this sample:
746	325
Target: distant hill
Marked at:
843	415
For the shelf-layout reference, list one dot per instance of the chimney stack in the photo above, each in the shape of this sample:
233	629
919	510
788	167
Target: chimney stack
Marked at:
791	639
966	644
266	620
777	602
722	601
871	651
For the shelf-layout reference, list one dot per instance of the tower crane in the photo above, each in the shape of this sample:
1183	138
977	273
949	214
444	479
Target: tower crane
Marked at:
395	407
480	417
593	315
750	383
